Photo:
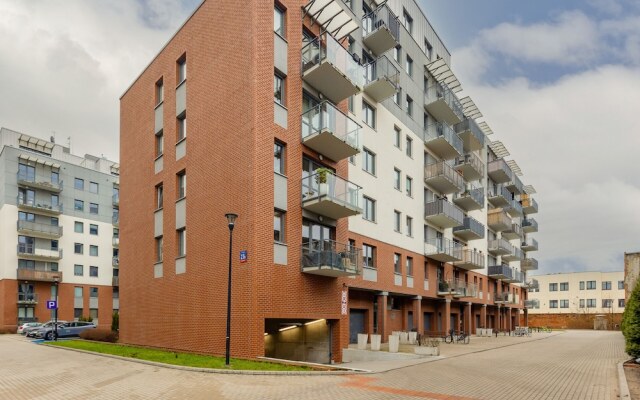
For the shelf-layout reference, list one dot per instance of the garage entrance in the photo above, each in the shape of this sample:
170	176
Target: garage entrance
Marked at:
356	324
298	339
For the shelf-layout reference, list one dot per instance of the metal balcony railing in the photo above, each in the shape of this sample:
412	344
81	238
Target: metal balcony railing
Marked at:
457	287
39	228
529	204
443	246
115	219
472	160
500	246
438	131
445	209
469	127
471	198
471	259
441	92
530	225
529	244
472	225
499	196
325	117
499	171
443	177
535	303
515	184
504	298
500	271
39	182
39	205
381	17
515	208
381	68
115	199
528	264
45	274
337	258
115	241
498	220
115	261
27	298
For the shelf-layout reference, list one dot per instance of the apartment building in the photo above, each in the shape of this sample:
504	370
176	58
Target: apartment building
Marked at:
59	216
560	299
393	209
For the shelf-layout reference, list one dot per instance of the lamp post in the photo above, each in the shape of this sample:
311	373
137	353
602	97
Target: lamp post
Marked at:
231	220
55	315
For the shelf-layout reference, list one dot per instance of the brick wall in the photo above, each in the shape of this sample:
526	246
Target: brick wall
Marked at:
571	321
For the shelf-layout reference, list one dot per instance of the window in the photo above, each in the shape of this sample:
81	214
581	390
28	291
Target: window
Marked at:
159	92
78	248
54	245
182	184
93	250
408	146
368	256
581	303
407	21
396	220
55	200
409	223
397	97
93	208
278	21
182	242
23	216
350	104
409	266
93	292
278	89
396	178
182	69
396	137
159	249
93	229
54	221
408	66
78	184
78	227
408	186
369	161
621	302
396	263
55	177
159	196
620	285
159	144
581	285
369	212
591	285
396	53
93	187
607	303
78	271
591	303
93	271
278	226
93	312
564	303
368	114
182	127
409	108
553	287
278	158
553	304
564	286
606	285
77	291
428	49
77	313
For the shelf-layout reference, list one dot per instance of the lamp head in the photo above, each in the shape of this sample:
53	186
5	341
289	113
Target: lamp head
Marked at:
231	220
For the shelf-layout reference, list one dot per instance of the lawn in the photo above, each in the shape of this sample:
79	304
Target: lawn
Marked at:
170	357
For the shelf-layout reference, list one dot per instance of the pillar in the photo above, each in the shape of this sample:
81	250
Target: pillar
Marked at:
382	315
526	317
418	317
469	320
447	315
483	316
498	319
508	318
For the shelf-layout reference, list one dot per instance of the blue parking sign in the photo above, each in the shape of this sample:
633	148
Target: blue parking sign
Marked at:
243	256
52	304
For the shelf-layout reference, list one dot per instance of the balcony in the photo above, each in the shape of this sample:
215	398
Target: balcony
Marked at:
443	141
329	258
500	271
331	69
115	281
529	244
380	30
529	225
38	182
470	199
32	252
471	134
514	209
499	196
39	207
115	200
457	288
328	195
499	247
470	229
531	284
441	249
515	278
115	241
39	274
504	298
330	132
115	261
443	104
499	171
27	298
115	219
470	166
529	204
515	185
498	220
535	303
443	214
443	178
381	79
514	232
36	229
470	260
515	255
529	264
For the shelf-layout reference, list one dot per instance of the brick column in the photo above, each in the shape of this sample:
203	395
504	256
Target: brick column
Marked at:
508	318
418	322
498	318
483	316
447	315
382	315
469	320
526	317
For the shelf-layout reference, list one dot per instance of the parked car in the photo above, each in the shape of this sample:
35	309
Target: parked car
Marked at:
21	328
31	332
69	329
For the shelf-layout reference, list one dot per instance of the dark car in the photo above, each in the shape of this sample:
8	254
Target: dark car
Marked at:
69	329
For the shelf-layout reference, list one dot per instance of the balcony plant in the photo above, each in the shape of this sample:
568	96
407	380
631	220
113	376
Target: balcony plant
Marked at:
321	180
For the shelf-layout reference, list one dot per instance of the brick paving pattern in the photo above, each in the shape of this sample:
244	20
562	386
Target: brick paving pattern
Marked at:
572	365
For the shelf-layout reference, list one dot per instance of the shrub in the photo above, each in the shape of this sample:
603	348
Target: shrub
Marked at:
85	319
100	335
631	323
115	321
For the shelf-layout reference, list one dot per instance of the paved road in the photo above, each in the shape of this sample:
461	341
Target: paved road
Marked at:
573	365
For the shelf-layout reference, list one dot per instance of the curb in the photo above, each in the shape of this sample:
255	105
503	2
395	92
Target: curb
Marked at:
623	387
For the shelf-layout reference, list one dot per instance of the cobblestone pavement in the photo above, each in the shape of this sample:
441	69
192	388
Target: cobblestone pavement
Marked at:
573	365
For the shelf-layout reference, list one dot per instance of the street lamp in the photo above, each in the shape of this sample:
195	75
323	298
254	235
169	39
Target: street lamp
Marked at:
55	315
231	220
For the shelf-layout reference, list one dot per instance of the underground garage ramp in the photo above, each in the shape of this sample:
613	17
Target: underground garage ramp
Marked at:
298	340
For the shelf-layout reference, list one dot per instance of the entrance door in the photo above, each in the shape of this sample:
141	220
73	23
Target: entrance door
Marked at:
356	324
427	322
410	321
453	322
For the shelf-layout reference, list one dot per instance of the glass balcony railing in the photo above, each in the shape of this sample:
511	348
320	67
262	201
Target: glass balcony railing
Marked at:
380	29
471	166
472	136
499	171
529	244
529	225
115	199
115	219
471	259
443	213
442	249
330	258
39	229
499	196
330	132
471	198
529	264
38	182
382	79
443	178
515	184
457	287
443	140
514	209
535	303
500	271
327	194
443	104
32	251
500	247
27	298
38	205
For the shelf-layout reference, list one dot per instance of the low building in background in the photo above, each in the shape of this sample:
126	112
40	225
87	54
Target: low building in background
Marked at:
631	272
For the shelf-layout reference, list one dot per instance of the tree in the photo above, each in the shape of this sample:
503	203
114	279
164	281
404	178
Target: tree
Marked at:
631	323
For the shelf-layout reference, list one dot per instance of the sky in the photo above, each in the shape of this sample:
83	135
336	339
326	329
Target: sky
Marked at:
558	82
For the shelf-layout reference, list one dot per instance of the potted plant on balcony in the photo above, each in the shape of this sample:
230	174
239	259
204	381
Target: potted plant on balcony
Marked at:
321	180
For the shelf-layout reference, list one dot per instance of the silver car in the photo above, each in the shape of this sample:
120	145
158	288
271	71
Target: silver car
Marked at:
69	329
23	328
31	332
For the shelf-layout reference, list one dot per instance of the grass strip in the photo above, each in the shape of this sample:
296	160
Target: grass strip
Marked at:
176	358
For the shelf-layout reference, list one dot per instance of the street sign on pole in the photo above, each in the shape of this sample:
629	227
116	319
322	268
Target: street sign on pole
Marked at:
243	256
52	305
